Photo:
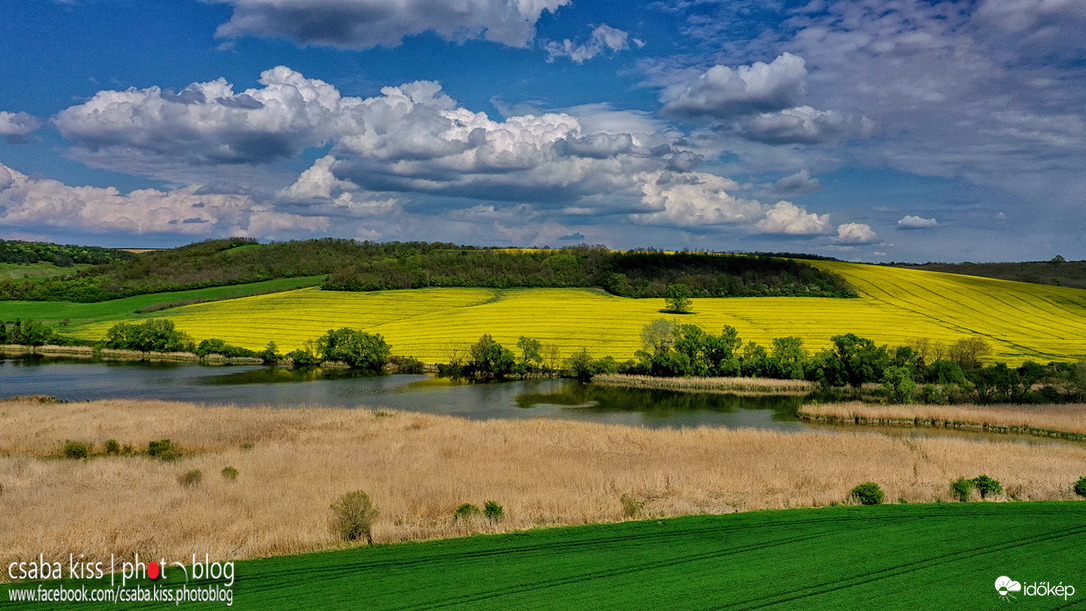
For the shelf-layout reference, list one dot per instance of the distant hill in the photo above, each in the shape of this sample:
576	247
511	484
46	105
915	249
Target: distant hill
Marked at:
1055	272
61	255
371	266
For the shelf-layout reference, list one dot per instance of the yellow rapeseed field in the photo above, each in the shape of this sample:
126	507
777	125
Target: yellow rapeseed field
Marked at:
1022	321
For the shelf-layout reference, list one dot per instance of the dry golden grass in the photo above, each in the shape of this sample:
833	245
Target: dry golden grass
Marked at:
419	468
1030	419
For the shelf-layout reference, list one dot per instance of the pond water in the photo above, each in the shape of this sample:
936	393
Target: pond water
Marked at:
251	385
257	385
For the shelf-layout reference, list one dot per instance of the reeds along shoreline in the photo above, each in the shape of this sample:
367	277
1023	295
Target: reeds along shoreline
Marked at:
723	385
293	463
110	354
1064	421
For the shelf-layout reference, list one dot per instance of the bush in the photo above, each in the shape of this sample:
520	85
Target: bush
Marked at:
987	486
76	449
358	349
164	449
230	473
961	488
353	516
867	493
631	505
1080	486
302	358
157	334
190	478
112	446
493	511
465	511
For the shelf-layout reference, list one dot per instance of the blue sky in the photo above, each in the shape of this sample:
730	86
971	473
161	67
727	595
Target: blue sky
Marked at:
862	129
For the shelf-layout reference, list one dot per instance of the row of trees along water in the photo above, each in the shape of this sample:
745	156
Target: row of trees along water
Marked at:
371	266
922	371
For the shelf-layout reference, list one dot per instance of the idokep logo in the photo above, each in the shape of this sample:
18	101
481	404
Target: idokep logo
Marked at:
1006	586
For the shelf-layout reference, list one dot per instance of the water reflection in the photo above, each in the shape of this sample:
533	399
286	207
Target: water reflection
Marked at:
656	403
565	399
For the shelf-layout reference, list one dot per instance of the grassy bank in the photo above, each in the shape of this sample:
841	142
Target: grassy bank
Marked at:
1065	421
896	557
292	463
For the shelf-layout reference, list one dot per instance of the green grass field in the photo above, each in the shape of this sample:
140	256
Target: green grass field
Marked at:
124	309
943	556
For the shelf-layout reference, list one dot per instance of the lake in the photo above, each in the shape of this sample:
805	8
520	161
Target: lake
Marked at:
258	385
252	385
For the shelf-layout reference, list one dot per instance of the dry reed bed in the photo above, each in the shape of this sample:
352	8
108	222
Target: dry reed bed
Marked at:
419	468
111	354
1058	420
723	385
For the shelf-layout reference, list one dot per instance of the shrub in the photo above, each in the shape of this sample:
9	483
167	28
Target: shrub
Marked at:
631	505
358	349
987	486
76	449
1080	486
112	446
493	511
164	449
961	488
353	516
302	358
191	478
867	493
230	473
465	511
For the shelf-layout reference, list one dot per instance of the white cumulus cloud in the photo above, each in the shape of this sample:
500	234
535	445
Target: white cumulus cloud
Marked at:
361	24
603	38
32	202
856	234
723	92
208	123
17	123
915	222
789	219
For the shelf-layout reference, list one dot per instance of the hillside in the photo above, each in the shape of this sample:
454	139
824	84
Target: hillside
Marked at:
1022	321
370	266
1055	272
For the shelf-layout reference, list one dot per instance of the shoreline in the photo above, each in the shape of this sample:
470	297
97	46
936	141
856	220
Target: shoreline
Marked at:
968	417
756	386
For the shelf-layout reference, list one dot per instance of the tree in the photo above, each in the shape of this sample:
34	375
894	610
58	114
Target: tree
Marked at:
580	365
356	348
531	351
721	351
789	357
677	298
156	334
898	384
657	337
489	359
860	360
969	351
